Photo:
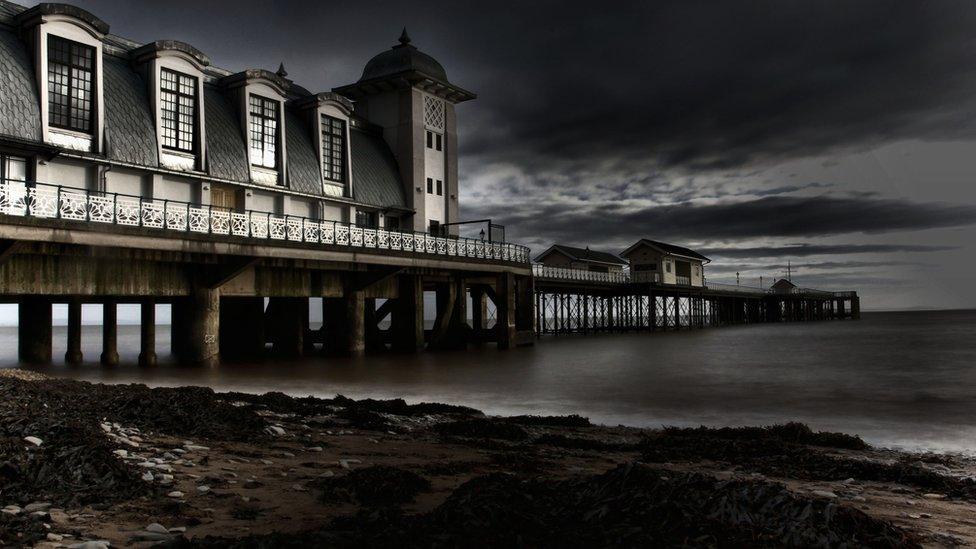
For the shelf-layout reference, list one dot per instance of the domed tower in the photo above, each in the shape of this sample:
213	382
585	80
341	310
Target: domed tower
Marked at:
406	94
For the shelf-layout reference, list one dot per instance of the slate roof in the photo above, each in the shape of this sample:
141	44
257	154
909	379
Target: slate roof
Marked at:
130	133
20	112
226	151
668	248
583	254
375	174
303	163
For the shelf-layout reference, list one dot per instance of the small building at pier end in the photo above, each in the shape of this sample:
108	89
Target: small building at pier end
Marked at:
568	257
145	173
663	263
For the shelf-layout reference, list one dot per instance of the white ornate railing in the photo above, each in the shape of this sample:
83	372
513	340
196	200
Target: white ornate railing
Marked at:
39	200
562	273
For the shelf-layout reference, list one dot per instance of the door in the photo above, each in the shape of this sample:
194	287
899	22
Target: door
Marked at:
225	196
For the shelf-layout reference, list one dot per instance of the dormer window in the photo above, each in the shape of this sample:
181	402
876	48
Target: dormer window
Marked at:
263	131
178	105
333	149
71	84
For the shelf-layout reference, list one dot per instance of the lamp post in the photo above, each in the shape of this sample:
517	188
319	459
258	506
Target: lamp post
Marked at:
482	233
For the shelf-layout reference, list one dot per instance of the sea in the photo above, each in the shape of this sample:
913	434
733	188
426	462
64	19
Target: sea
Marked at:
903	380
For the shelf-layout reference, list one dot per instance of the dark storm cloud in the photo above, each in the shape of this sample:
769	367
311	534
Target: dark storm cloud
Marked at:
801	250
781	216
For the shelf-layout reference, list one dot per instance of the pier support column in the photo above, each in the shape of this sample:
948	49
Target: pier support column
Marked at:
407	322
677	313
34	330
344	323
110	333
288	322
451	325
505	311
147	333
73	355
196	327
242	327
856	308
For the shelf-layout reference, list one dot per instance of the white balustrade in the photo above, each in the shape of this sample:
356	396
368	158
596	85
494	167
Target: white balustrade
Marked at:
20	198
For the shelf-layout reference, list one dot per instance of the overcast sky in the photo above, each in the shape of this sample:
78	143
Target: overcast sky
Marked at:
839	136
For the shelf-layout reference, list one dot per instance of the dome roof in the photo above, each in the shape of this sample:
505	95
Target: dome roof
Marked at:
403	57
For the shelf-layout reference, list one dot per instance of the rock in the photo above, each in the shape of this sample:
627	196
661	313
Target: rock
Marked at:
203	489
147	476
933	496
151	536
824	494
344	463
267	462
34	440
38	506
175	494
11	510
314	449
274	430
298	487
195	448
177	530
859	499
914	516
287	454
327	474
54	537
925	515
121	453
157	528
249	484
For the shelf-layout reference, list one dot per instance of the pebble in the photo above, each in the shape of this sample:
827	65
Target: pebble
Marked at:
203	489
824	494
327	474
90	545
38	506
344	463
147	476
287	454
933	496
298	487
54	537
11	510
177	530
175	494
34	440
195	448
859	499
267	462
121	453
274	430
315	449
157	527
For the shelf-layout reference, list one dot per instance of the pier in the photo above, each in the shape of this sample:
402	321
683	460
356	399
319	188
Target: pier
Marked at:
580	301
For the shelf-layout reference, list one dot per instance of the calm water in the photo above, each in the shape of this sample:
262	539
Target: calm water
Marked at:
898	379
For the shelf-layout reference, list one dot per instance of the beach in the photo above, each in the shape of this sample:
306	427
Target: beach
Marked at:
189	467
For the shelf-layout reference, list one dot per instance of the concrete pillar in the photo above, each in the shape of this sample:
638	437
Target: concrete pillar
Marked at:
479	310
110	333
73	355
677	313
505	311
345	323
147	332
407	323
196	327
856	308
34	330
242	327
287	324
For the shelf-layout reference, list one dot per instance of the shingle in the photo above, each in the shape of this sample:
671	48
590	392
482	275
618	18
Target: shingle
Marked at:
129	128
375	175
226	151
20	112
303	162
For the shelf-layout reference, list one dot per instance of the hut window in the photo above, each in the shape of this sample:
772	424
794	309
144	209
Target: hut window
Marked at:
333	149
264	132
178	102
70	84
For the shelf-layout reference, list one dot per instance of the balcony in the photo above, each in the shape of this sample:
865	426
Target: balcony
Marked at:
169	217
682	280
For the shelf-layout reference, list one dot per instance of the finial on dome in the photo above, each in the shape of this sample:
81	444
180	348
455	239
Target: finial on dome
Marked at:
281	70
404	37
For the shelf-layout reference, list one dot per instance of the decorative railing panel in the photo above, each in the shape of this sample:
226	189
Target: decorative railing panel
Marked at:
30	199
